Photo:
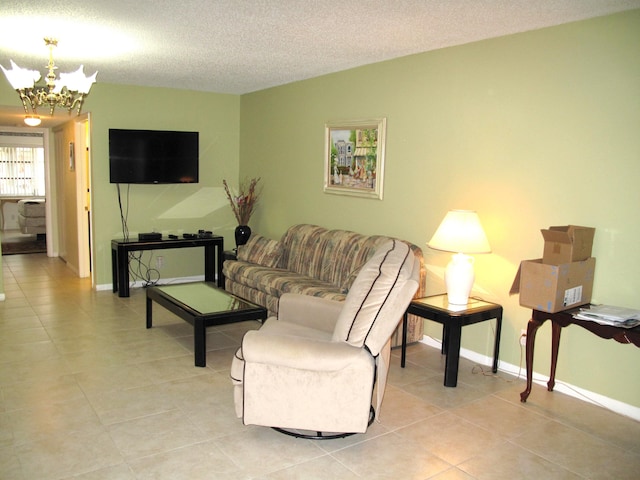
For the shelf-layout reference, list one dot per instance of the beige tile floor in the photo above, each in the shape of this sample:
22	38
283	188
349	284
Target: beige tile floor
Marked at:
87	392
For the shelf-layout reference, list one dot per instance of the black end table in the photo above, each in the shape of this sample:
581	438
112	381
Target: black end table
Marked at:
231	254
453	318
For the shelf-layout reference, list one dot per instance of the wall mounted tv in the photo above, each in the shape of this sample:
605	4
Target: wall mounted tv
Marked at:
153	156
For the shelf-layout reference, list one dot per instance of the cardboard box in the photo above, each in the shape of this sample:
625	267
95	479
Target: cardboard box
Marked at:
553	288
570	243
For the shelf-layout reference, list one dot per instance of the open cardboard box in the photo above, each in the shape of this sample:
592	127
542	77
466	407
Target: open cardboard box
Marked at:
553	288
569	243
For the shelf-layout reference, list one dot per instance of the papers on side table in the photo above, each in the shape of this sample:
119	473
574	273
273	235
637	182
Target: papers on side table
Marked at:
610	315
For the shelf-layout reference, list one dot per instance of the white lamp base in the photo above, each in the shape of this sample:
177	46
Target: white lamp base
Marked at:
459	277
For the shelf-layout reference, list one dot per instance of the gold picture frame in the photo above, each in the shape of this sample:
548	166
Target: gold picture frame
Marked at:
354	157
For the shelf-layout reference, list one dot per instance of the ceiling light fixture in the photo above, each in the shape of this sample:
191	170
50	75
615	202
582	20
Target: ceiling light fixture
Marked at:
32	120
67	92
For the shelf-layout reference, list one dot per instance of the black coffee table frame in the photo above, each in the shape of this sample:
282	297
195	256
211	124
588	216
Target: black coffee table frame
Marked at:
243	311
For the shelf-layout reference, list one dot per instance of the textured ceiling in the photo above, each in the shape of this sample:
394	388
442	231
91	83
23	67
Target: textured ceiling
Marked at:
240	46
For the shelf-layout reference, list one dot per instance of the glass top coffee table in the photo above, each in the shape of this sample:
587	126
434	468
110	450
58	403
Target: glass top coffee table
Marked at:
202	304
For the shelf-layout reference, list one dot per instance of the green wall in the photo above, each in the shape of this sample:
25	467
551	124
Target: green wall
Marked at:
530	130
164	208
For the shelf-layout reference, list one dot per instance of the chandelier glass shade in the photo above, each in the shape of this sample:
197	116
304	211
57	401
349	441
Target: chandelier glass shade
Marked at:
66	92
32	120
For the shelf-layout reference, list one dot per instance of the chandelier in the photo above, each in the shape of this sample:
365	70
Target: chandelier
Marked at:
67	92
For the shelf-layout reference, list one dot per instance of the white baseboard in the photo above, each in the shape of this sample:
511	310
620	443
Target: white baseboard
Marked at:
162	281
562	387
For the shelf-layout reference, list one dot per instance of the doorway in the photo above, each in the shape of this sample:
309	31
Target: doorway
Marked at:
83	192
24	190
73	194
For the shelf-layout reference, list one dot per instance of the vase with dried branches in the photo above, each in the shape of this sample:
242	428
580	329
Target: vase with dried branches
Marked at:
243	204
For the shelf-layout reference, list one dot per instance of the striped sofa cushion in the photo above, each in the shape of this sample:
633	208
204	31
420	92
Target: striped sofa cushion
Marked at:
261	251
331	256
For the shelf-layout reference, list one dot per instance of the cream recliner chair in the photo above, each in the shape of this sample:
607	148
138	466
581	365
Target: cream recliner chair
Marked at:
314	368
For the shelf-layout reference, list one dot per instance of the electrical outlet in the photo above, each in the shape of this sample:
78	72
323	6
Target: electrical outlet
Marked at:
523	337
159	262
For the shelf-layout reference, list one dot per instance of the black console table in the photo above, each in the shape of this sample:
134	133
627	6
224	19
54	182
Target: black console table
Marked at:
213	248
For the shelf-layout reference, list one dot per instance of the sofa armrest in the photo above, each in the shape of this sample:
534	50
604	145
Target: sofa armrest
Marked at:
313	312
300	353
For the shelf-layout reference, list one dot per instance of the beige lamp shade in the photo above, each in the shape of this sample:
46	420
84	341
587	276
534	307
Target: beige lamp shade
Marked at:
460	232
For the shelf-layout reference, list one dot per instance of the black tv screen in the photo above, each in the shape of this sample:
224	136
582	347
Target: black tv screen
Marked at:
153	156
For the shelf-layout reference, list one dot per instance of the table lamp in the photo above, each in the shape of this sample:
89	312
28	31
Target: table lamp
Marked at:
460	232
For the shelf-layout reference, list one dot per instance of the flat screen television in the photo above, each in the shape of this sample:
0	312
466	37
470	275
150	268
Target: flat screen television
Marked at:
153	156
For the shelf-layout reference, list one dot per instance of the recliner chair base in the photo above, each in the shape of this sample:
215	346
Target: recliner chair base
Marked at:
321	435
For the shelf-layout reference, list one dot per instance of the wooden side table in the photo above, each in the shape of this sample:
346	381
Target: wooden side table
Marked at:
559	320
453	318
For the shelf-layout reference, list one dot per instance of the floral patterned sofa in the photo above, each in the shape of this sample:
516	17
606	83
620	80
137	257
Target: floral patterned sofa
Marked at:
309	260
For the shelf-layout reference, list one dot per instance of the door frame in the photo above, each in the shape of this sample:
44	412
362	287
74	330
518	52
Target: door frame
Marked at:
82	161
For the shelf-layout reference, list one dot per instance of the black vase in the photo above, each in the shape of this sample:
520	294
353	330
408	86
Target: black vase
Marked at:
243	232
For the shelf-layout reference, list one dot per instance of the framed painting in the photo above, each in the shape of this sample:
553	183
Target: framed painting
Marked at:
354	157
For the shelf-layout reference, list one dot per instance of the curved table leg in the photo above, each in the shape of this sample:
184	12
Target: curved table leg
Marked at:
532	328
555	343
